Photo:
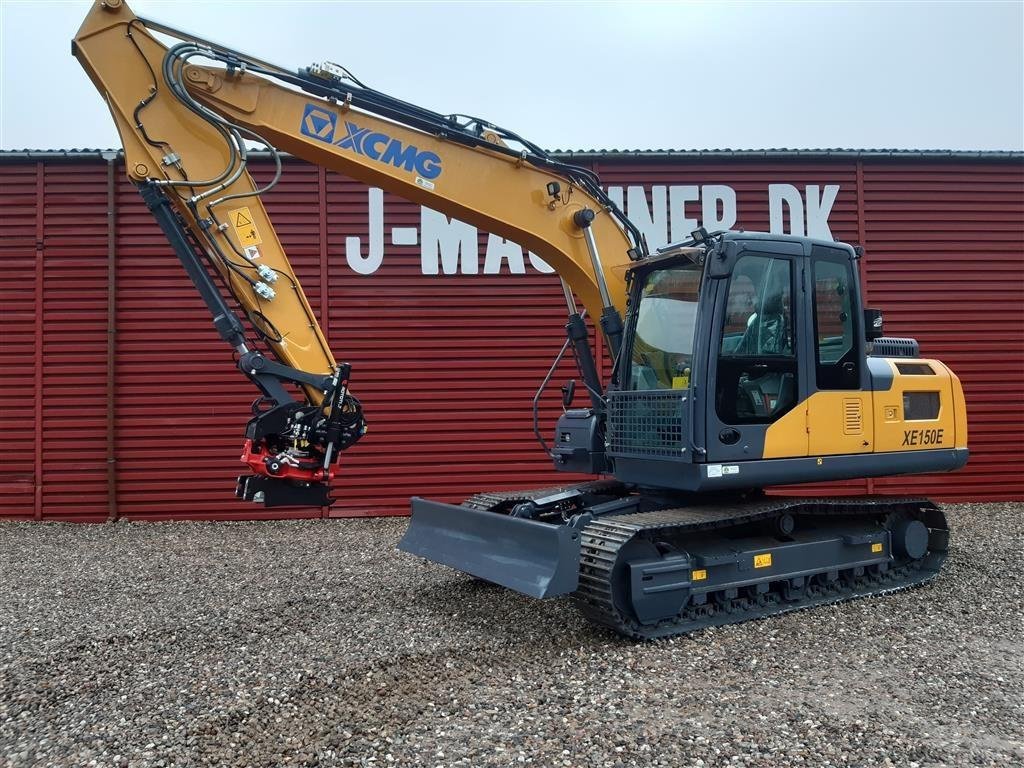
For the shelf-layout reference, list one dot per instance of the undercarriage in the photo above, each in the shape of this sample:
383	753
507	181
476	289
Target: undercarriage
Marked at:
648	565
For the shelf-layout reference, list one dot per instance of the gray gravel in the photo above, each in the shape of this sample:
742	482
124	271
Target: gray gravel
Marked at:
315	643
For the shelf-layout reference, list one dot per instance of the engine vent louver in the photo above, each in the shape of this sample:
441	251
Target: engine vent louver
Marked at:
891	346
853	420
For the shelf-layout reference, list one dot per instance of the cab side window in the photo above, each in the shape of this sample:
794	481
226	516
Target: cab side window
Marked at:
835	348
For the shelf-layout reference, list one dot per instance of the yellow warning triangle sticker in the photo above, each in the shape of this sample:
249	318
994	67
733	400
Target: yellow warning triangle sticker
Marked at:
245	229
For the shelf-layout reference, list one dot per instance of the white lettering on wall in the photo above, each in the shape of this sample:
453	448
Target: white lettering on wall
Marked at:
367	265
449	246
788	195
682	225
539	264
668	219
615	193
711	196
653	223
499	249
818	210
447	243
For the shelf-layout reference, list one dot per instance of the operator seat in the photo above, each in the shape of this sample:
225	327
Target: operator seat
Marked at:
773	334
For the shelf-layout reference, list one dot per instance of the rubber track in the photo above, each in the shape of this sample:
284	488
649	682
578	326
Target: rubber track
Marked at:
602	540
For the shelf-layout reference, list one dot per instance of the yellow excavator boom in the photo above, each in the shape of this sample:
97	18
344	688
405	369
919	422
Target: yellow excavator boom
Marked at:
184	127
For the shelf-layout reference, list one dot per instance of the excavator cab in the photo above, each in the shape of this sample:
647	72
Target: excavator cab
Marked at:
747	365
714	362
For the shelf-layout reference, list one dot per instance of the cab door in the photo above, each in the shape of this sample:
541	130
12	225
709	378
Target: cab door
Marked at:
839	408
755	383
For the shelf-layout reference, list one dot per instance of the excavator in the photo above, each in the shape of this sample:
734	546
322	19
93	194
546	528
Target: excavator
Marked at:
741	360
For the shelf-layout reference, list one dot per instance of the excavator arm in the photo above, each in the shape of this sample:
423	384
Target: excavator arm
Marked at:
187	114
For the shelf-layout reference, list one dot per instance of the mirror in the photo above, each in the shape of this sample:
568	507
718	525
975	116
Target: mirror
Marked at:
722	258
873	326
568	392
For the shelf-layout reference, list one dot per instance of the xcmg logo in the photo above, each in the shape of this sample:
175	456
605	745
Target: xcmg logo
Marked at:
322	124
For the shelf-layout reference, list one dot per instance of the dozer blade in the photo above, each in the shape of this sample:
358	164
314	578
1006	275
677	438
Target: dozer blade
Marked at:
537	559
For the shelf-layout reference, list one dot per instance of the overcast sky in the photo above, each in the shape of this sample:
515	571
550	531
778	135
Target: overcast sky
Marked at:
593	75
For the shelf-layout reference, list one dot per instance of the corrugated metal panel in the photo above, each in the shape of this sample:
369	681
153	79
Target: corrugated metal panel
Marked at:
54	350
946	263
446	365
74	313
22	278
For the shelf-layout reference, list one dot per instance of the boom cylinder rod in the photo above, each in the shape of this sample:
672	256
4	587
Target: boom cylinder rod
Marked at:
583	219
570	301
611	320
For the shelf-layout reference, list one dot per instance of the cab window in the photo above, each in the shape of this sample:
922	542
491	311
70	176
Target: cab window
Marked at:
666	318
835	350
756	377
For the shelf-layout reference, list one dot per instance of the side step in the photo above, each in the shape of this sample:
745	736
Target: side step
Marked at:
535	558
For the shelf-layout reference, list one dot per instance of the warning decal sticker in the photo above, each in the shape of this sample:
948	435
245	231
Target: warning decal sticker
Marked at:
241	220
763	560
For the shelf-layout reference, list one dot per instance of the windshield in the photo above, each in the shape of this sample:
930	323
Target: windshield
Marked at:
666	320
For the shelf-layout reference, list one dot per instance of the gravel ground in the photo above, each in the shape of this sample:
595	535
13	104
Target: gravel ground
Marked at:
315	643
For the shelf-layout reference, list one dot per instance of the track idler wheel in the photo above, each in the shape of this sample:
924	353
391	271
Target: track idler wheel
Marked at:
910	539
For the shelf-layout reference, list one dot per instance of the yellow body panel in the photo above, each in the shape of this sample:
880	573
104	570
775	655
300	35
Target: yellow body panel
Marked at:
840	423
831	423
825	424
959	407
787	437
894	432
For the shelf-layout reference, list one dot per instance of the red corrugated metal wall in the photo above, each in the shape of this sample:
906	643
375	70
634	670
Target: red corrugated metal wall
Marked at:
947	264
21	262
53	341
446	364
